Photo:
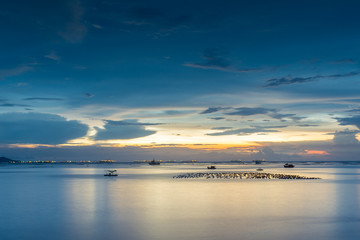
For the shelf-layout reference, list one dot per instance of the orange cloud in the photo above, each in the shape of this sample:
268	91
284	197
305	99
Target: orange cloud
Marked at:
316	152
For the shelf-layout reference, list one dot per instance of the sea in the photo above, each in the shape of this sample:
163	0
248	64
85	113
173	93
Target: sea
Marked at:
73	201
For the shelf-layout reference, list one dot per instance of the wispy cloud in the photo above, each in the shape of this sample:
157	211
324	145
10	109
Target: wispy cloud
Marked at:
129	122
161	22
4	73
97	26
215	59
217	118
247	111
247	131
75	29
345	61
213	110
53	56
307	125
43	99
275	82
251	111
5	103
13	105
221	128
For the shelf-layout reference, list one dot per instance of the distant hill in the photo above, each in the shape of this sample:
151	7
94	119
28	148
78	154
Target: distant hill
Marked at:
6	160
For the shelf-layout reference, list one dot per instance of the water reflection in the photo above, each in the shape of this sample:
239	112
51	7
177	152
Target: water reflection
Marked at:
146	203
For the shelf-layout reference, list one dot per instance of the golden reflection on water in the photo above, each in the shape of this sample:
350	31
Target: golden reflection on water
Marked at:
81	201
146	206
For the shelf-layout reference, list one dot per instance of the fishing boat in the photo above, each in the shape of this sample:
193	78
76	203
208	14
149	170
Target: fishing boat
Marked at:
110	173
211	167
259	169
289	165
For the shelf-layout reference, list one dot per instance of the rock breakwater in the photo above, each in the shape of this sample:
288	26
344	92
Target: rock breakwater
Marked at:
242	175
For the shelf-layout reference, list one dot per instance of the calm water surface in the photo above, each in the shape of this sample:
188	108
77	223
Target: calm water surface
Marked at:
145	202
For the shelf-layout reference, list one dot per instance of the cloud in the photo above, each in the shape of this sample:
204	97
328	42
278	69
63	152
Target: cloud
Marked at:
249	111
246	131
221	128
246	111
356	110
345	61
275	82
4	73
75	29
13	105
354	120
164	22
217	118
212	110
38	128
214	59
52	55
43	99
346	137
126	129
97	26
5	103
307	125
280	116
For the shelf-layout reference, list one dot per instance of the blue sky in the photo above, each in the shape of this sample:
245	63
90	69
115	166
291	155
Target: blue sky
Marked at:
144	79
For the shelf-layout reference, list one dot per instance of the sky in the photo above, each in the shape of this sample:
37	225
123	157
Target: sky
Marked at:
180	80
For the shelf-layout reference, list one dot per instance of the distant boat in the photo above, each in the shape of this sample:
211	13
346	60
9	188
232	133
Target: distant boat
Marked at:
211	167
153	162
258	161
111	173
289	165
259	169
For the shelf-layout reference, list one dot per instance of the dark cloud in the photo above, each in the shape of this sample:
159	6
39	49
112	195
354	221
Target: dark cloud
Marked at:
221	128
129	122
215	59
212	110
5	103
354	120
246	131
356	110
38	128
126	129
275	82
280	116
217	118
246	111
43	99
13	105
307	125
346	137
